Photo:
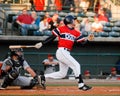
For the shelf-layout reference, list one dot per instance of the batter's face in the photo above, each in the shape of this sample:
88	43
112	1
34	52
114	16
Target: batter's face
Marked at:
71	25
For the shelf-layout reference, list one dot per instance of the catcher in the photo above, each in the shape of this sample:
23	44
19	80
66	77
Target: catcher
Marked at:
11	72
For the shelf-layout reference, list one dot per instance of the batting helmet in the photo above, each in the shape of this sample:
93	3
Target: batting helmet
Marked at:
69	19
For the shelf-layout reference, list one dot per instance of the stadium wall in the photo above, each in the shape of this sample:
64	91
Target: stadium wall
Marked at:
94	56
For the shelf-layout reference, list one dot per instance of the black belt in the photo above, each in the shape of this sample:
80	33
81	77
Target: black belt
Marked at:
66	49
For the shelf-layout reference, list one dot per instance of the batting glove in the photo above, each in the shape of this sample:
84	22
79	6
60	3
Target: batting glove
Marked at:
91	37
38	45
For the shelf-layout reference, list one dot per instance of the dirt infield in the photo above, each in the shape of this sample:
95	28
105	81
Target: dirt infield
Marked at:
62	90
67	88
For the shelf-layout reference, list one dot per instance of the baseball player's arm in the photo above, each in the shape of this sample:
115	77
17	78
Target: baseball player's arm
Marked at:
49	39
83	40
50	63
55	32
89	38
46	63
54	62
7	68
30	71
18	20
28	68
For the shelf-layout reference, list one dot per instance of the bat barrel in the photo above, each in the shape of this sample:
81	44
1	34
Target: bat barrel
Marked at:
21	46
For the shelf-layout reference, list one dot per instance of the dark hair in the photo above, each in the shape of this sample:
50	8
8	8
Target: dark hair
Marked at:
44	17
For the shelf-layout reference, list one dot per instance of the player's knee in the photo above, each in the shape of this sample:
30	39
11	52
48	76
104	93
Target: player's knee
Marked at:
13	74
30	86
10	78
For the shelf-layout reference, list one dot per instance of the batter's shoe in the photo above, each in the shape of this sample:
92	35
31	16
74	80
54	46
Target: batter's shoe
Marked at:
41	82
85	88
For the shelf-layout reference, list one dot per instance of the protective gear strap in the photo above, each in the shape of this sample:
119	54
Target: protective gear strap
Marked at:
80	80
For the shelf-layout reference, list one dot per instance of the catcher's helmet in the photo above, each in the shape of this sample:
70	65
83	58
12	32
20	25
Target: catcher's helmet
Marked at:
17	49
13	53
69	19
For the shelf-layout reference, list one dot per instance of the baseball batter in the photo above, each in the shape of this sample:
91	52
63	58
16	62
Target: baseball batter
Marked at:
67	35
11	71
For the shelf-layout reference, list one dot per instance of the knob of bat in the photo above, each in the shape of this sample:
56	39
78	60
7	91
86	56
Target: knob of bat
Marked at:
38	45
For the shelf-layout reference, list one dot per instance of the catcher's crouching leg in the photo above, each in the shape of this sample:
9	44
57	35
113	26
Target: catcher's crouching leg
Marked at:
38	81
33	82
41	82
9	79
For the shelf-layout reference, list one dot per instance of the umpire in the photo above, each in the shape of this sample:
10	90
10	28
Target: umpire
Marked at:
11	72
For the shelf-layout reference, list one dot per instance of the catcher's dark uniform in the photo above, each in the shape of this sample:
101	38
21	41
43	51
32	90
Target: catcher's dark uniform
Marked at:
20	80
12	74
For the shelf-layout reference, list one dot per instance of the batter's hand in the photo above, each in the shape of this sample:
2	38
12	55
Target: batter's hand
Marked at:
38	45
91	37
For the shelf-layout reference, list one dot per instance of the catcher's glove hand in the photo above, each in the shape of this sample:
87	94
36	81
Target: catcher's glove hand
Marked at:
91	37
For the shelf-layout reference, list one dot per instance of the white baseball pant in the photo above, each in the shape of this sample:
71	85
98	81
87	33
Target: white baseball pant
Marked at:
65	61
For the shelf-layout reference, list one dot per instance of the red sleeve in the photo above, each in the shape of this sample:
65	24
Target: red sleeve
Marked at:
19	18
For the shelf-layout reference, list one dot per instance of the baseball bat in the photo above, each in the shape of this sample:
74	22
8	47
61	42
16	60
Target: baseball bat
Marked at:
21	46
